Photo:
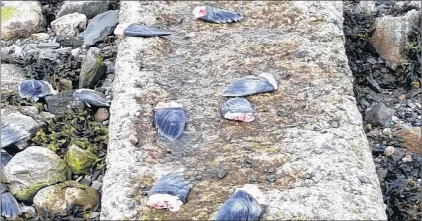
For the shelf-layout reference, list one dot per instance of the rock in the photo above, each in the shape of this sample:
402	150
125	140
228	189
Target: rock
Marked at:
53	45
411	138
367	6
19	120
390	36
100	27
40	36
89	8
97	185
21	18
59	103
101	114
11	76
32	169
28	212
48	54
92	69
389	151
79	160
58	198
70	24
47	116
379	115
132	139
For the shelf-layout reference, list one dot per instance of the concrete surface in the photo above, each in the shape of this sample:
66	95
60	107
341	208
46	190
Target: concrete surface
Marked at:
309	131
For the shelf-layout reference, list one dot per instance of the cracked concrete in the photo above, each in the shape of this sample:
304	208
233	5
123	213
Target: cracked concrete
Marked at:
309	131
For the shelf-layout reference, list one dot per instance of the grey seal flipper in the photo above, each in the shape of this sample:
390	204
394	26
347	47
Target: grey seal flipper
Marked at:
169	192
238	109
246	203
169	119
35	89
11	134
9	206
216	15
5	158
91	97
251	85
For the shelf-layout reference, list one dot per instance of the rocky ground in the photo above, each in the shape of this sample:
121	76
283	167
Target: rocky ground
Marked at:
383	43
69	44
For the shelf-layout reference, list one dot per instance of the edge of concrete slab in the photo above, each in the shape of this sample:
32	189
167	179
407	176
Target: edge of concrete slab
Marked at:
316	189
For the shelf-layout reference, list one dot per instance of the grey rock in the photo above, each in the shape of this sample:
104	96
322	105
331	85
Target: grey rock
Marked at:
379	115
97	185
11	76
89	8
40	36
100	27
57	199
390	36
53	45
21	18
58	103
92	69
272	139
32	169
69	25
29	211
17	120
48	54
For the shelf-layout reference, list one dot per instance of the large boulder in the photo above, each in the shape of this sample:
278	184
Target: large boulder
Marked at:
21	18
32	169
100	27
89	8
69	25
79	160
11	76
57	199
390	36
92	70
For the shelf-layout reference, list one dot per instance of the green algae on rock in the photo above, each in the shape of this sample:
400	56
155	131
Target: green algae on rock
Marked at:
53	198
80	160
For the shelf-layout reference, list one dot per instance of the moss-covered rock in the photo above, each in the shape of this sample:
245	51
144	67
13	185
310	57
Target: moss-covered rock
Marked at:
80	160
32	169
58	198
92	69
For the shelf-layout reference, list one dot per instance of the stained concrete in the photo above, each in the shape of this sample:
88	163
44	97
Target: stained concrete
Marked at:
309	131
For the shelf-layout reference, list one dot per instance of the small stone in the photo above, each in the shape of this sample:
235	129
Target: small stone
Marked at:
221	173
93	215
132	139
198	177
57	104
92	69
371	60
29	211
57	199
248	161
101	114
271	170
252	179
407	158
100	27
364	179
379	115
96	185
40	36
89	8
271	178
69	25
48	54
49	45
75	52
11	76
79	160
389	151
411	138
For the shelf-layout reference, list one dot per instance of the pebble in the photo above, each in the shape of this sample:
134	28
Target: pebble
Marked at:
96	185
29	211
271	178
86	180
40	36
101	114
132	139
49	45
407	158
198	177
389	151
221	173
271	170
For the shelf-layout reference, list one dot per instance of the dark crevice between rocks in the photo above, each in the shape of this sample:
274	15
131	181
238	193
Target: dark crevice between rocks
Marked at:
381	91
79	125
